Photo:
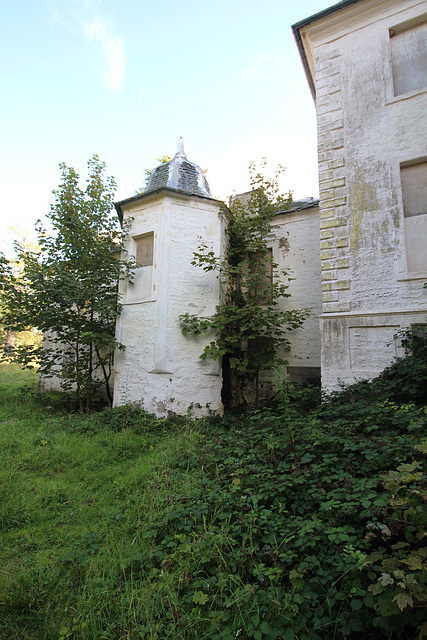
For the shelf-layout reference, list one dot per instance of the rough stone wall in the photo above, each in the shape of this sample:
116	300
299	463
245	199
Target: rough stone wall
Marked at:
365	135
160	368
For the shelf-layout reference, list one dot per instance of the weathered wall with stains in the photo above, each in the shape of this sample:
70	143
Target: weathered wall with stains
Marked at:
160	367
374	259
295	248
296	251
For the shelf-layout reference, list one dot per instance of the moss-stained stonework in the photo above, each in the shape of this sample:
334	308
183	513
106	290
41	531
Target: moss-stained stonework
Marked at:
371	253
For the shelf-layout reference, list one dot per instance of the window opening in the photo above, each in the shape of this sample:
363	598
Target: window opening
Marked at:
409	58
144	250
414	189
414	194
261	270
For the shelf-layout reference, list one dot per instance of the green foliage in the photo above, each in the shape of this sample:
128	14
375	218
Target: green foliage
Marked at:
67	287
290	506
403	382
249	327
129	416
289	522
13	343
400	591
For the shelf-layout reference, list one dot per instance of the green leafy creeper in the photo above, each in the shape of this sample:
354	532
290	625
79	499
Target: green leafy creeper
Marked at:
250	328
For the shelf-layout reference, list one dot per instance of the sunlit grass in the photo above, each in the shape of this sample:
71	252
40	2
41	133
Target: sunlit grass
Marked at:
72	497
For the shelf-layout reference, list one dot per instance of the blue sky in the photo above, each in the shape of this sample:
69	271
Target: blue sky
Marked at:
126	79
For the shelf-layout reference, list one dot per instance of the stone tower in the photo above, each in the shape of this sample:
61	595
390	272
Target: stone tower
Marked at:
160	368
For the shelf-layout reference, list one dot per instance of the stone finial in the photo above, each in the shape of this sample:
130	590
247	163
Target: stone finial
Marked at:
181	151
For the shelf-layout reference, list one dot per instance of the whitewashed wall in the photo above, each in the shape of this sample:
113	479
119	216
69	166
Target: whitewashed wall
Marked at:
296	250
374	260
53	382
160	368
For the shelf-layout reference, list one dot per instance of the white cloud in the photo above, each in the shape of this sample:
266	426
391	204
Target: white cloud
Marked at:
112	51
83	16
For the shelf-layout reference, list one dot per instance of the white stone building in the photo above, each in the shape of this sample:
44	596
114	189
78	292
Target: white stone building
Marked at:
366	64
359	265
160	367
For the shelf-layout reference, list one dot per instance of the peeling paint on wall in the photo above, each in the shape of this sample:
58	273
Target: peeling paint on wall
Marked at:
363	199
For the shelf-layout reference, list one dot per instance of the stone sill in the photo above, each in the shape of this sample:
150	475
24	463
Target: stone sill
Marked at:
142	301
373	313
406	96
416	275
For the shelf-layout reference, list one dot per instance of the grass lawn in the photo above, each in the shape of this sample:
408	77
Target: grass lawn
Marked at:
73	497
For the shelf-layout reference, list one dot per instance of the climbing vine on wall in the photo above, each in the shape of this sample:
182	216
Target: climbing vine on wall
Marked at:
250	328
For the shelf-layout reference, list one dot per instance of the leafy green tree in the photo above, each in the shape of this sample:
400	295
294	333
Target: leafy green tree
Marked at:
12	341
250	328
68	286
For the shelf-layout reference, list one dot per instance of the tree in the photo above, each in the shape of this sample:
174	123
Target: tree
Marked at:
249	325
68	287
11	342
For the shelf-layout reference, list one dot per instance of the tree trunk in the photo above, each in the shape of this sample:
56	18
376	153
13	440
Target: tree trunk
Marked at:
106	379
10	340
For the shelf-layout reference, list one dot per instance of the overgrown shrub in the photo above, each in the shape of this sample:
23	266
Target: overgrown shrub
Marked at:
62	401
284	521
133	417
400	558
405	380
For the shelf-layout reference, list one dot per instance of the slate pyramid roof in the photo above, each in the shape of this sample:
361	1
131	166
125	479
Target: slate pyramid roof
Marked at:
179	174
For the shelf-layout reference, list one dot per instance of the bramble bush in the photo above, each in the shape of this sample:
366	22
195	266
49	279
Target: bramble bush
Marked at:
285	521
293	533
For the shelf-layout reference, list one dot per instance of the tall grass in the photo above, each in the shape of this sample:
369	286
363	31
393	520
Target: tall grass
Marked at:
73	496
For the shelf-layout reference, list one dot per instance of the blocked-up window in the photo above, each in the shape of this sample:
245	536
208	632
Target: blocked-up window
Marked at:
144	250
414	194
261	270
414	189
409	58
